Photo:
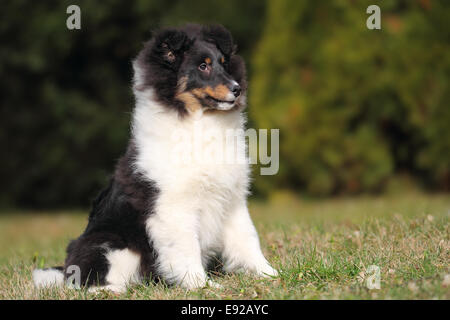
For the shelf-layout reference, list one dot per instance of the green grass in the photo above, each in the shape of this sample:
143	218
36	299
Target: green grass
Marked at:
322	248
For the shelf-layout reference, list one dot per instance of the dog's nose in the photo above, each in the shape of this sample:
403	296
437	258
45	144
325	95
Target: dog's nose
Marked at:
235	89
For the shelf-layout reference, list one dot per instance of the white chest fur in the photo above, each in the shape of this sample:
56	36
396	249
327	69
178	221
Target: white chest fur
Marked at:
180	155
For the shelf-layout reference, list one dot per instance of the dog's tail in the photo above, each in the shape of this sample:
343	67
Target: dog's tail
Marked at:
48	277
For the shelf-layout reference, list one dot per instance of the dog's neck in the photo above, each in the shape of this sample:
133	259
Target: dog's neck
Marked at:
151	115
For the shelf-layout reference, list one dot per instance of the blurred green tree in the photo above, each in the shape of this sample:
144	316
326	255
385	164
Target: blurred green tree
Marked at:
354	106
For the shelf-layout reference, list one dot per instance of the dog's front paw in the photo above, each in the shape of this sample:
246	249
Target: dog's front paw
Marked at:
201	283
194	281
213	284
267	271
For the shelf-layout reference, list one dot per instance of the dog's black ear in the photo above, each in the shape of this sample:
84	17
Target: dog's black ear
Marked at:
221	37
170	45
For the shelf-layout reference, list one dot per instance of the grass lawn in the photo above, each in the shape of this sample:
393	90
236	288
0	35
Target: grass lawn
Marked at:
322	248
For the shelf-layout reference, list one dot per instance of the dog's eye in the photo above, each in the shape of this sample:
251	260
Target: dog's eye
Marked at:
203	67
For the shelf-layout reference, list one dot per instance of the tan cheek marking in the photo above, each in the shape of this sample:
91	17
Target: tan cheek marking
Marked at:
220	92
208	60
190	101
199	92
222	60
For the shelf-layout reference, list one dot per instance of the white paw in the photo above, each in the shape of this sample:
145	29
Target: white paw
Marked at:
110	287
194	281
213	284
267	272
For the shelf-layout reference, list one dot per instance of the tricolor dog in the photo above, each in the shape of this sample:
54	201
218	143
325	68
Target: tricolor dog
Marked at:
160	219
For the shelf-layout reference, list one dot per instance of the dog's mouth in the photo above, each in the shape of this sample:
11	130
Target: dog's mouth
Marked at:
209	98
215	100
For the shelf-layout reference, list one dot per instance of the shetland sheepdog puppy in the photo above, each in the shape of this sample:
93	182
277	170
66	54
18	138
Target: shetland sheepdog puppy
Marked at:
160	219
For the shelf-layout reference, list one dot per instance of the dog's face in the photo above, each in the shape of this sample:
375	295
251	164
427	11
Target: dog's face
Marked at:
193	68
205	75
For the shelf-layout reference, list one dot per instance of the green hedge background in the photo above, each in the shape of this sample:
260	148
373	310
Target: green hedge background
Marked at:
356	108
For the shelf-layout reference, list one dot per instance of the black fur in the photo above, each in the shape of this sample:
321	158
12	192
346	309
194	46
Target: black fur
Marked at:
221	37
117	219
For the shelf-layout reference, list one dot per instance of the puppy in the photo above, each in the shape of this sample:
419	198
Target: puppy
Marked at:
161	218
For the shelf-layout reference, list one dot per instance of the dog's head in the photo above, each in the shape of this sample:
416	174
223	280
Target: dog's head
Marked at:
192	68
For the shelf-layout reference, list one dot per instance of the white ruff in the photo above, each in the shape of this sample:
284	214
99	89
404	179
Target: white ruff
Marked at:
201	208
